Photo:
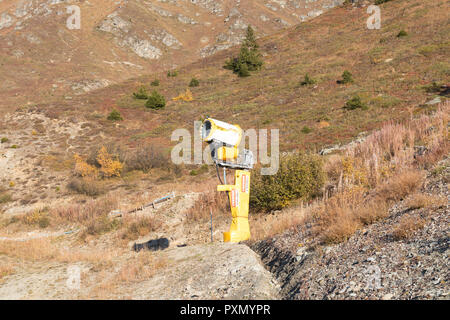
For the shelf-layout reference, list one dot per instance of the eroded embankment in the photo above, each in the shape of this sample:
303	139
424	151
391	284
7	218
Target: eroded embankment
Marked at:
281	263
378	261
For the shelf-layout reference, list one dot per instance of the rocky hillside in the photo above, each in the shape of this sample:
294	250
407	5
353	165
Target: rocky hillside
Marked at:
393	76
404	256
43	57
70	175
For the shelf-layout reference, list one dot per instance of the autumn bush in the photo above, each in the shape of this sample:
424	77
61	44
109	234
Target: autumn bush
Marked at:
37	217
300	176
115	149
109	166
187	96
104	165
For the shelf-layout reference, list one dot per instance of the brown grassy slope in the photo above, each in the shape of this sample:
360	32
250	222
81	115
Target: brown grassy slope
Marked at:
41	60
324	48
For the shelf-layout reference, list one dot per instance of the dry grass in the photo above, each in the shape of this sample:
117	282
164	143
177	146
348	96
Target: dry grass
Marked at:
136	226
33	250
143	267
36	217
87	186
372	211
83	213
265	226
92	214
338	218
391	149
6	270
94	256
100	225
47	250
4	197
407	226
420	200
401	185
104	290
382	169
440	149
216	201
342	228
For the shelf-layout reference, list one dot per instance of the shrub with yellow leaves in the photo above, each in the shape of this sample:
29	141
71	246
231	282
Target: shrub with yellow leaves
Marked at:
83	169
187	96
109	167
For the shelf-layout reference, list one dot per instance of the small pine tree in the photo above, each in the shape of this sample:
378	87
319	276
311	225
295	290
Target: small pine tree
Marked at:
381	1
347	77
194	82
308	81
306	130
402	33
115	116
243	70
173	73
355	103
141	94
155	101
249	57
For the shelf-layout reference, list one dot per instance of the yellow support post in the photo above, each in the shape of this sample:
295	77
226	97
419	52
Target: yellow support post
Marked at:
239	195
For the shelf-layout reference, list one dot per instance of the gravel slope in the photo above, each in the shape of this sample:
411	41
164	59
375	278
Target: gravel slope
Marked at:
372	264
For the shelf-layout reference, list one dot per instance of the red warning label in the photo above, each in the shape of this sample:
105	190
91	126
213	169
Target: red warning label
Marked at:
244	183
234	198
